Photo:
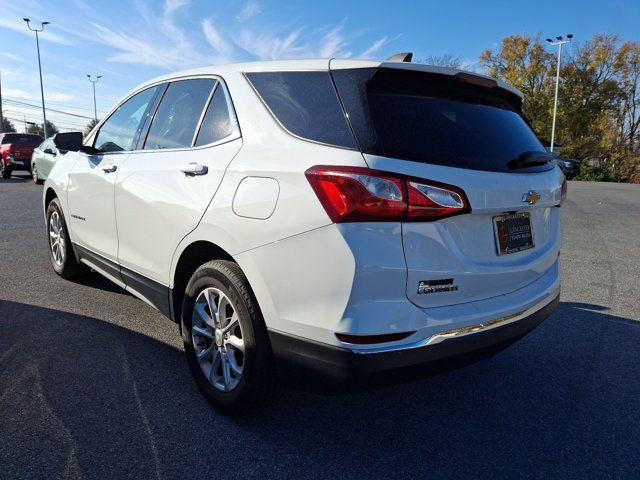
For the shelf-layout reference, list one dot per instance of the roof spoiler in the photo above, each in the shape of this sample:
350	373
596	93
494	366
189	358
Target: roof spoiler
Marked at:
401	57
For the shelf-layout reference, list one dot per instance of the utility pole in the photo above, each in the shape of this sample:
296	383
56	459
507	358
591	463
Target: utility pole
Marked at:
38	30
559	41
95	110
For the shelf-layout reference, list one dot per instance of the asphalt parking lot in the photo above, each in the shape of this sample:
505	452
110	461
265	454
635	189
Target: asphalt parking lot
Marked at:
93	382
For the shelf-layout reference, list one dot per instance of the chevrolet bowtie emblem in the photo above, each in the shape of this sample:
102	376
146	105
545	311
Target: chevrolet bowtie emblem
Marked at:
530	197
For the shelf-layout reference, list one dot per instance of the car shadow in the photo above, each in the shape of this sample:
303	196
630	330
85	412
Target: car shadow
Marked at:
81	397
95	280
17	177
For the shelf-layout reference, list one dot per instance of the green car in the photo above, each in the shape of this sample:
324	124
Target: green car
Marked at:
43	159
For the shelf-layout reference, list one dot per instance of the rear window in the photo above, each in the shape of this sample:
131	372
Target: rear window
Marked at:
305	104
435	119
18	139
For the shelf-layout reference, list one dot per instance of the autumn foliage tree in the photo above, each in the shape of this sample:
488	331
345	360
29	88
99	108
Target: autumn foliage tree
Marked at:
599	107
523	62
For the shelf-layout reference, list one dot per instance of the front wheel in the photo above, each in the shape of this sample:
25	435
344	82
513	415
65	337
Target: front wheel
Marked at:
226	340
61	253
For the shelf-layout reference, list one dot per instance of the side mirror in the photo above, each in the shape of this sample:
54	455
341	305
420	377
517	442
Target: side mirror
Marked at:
70	141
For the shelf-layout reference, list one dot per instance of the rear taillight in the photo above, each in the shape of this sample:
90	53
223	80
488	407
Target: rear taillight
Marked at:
358	194
563	192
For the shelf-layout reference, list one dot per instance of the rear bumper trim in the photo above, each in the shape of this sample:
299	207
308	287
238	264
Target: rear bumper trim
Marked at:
342	364
468	330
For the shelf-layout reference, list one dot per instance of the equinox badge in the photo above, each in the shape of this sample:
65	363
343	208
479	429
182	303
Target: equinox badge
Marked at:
530	197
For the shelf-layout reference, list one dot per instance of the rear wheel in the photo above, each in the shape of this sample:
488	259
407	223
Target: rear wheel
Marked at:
226	340
61	253
34	174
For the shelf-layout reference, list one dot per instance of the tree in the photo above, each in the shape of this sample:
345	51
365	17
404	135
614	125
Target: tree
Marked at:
628	63
446	60
6	126
90	126
37	128
523	62
598	118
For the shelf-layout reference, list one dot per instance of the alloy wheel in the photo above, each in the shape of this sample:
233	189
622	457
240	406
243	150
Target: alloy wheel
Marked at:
217	339
56	238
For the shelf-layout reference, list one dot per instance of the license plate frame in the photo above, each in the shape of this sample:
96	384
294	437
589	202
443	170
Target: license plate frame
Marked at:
513	233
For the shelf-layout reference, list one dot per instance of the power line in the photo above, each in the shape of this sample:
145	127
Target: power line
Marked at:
21	121
59	122
30	105
70	105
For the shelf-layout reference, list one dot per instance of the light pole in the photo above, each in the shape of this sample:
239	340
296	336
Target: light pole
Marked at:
37	30
95	109
559	41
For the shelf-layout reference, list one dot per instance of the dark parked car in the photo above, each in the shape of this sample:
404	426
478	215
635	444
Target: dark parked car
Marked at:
15	152
570	167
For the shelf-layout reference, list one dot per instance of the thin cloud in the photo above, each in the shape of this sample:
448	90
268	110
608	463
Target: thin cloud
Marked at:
333	43
138	51
267	46
222	48
167	44
249	10
16	93
171	6
375	47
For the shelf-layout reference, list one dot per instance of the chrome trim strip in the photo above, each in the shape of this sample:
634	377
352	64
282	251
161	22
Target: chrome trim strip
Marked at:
468	330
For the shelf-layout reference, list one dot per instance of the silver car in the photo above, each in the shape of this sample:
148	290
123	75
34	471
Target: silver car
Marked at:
43	159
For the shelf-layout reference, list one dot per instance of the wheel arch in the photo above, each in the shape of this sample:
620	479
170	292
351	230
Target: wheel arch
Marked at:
49	195
193	256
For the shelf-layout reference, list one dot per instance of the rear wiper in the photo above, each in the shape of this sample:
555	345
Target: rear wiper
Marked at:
529	159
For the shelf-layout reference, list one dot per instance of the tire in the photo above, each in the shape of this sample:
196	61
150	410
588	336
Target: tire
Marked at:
63	258
218	283
34	175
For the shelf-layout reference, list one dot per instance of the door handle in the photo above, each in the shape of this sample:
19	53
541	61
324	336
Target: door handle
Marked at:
110	168
193	169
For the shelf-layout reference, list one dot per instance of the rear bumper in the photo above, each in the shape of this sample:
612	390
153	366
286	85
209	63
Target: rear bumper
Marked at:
342	364
15	165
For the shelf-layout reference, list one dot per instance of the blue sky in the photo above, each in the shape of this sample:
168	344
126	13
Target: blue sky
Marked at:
128	42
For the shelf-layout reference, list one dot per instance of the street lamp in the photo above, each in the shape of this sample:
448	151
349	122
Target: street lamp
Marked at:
559	41
37	30
95	109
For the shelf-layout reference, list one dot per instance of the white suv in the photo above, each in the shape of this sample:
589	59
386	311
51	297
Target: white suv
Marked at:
347	217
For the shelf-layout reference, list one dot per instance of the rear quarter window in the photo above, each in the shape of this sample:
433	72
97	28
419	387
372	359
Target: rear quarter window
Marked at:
305	104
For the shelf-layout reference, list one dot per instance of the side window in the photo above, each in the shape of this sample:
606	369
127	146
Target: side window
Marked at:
122	128
218	122
180	110
306	104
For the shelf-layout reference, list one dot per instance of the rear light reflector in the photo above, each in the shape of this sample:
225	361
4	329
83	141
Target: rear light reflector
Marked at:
563	192
358	194
371	339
